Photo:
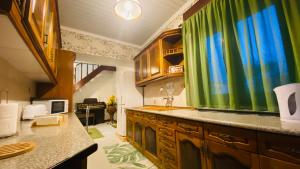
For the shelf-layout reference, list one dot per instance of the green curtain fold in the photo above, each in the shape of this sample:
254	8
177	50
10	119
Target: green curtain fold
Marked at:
236	52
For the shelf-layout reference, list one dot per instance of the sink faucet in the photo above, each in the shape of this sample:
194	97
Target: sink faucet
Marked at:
169	101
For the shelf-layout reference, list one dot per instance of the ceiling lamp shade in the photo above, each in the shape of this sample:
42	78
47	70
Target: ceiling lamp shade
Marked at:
128	9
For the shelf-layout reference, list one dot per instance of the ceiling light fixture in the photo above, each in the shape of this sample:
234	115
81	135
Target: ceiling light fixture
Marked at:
128	9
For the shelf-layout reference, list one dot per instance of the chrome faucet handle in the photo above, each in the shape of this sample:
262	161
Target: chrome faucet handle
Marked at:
169	101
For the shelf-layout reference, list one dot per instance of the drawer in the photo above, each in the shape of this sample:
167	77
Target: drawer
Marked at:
169	164
166	143
190	127
232	137
167	133
267	163
167	154
138	115
166	121
150	117
129	113
282	147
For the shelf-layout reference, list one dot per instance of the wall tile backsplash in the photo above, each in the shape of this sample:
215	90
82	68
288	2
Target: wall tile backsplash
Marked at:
154	96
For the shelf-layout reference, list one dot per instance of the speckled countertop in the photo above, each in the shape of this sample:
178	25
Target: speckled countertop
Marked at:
268	123
55	144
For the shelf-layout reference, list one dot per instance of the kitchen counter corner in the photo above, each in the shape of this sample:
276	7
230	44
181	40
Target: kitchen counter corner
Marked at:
55	145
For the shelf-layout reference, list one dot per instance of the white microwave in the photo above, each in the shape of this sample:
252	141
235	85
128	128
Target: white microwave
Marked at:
54	106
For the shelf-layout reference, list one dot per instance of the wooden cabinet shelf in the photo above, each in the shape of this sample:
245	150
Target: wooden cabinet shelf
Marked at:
174	51
153	62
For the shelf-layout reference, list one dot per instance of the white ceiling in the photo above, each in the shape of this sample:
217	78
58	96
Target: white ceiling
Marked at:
98	17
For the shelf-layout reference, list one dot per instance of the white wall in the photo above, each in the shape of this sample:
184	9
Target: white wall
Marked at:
107	83
20	87
101	87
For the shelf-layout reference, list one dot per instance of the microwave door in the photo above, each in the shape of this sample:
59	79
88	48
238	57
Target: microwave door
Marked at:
57	107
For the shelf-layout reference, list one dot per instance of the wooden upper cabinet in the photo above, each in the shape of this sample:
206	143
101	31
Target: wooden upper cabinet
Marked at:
155	59
41	20
35	18
144	65
50	33
153	64
137	64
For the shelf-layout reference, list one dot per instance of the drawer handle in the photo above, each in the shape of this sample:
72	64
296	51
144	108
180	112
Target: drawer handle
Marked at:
167	155
165	132
228	139
188	127
166	143
284	151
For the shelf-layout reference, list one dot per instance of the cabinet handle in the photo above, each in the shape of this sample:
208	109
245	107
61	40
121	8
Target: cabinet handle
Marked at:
166	143
46	39
287	151
228	139
165	132
188	127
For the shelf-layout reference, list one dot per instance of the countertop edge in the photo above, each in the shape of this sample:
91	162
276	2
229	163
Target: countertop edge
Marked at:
80	155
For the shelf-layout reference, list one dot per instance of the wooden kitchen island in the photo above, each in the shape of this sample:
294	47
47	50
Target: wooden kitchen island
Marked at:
192	139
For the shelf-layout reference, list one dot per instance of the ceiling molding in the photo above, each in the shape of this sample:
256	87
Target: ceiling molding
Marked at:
99	36
180	12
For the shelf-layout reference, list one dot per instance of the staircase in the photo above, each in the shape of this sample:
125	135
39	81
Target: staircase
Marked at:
84	72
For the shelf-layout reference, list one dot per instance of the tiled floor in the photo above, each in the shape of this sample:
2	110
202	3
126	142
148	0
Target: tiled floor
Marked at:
113	153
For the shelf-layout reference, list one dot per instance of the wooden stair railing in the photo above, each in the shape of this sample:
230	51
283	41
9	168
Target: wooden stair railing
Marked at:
91	75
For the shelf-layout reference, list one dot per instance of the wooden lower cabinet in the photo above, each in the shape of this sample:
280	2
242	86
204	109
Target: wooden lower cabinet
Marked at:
173	143
271	163
220	156
129	130
190	152
150	143
138	134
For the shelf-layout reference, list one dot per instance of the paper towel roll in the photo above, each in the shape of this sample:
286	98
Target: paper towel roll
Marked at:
8	119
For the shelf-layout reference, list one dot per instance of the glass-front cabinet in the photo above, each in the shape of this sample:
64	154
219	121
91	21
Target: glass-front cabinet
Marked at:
155	60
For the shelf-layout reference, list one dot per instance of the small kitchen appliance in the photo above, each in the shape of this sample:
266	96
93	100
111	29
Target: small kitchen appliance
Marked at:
288	97
54	106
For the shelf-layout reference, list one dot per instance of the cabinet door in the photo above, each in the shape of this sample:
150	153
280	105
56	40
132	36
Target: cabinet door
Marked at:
150	140
50	34
138	134
220	156
155	59
129	130
271	163
189	152
150	144
144	65
35	17
137	63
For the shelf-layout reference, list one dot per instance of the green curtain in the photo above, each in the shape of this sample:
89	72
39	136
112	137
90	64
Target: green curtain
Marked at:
238	51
